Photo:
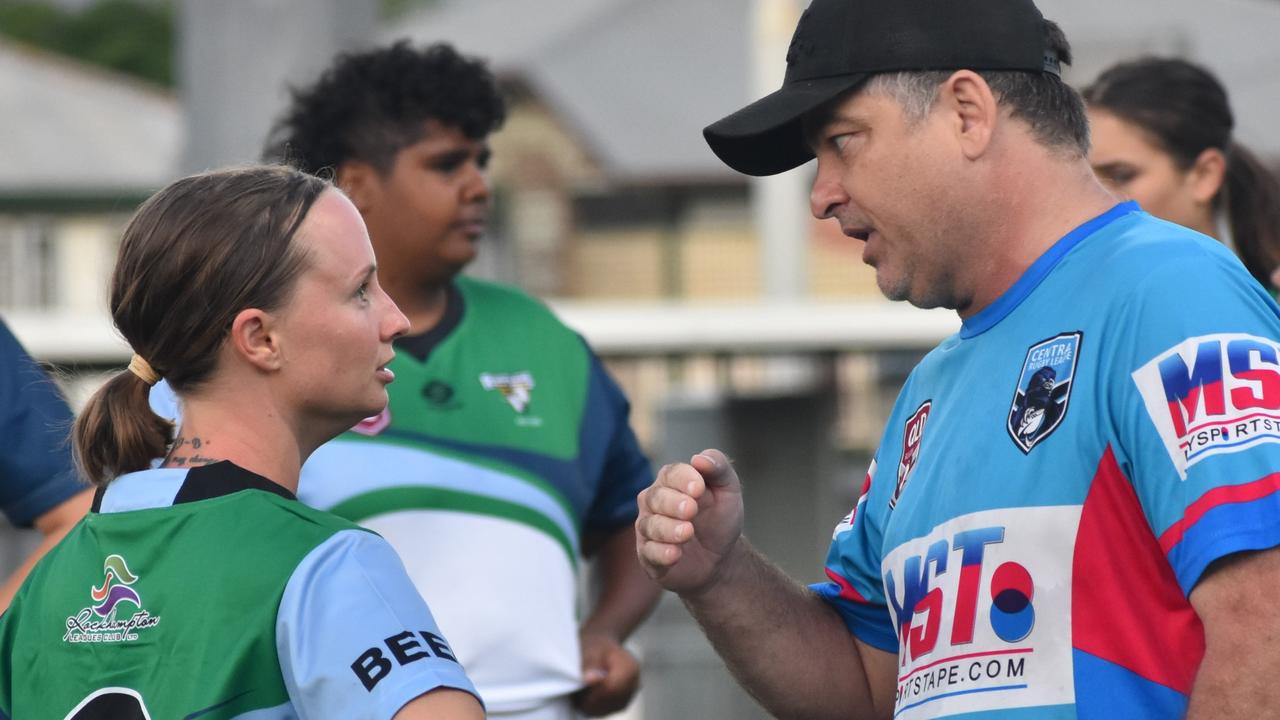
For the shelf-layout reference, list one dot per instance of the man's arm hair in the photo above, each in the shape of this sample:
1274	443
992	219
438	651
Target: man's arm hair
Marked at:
1235	600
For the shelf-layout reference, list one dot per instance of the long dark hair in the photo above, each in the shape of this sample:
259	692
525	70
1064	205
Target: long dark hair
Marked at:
1184	108
192	257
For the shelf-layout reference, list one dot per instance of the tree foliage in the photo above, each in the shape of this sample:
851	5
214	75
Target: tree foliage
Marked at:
135	37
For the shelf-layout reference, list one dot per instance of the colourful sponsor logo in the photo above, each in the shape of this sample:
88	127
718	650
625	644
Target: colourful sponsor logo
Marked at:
102	621
978	605
912	434
1043	390
115	587
1213	394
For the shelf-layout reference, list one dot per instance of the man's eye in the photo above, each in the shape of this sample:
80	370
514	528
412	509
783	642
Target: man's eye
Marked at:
447	165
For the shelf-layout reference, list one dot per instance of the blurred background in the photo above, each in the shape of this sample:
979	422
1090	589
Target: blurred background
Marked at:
730	316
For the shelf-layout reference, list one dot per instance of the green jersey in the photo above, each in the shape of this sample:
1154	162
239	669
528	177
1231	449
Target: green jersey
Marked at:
213	593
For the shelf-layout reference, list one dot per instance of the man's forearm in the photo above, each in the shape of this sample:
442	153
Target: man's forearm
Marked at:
786	646
1235	602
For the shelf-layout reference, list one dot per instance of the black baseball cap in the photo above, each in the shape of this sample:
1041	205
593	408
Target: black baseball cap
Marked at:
838	44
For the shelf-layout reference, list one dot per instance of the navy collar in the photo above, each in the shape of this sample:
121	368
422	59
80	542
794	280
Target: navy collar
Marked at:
992	314
420	346
212	481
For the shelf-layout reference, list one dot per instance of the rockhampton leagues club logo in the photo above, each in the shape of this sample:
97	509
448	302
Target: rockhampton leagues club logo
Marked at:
1044	388
116	613
517	388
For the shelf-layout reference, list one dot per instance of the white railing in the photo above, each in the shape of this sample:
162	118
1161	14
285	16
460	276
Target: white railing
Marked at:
613	329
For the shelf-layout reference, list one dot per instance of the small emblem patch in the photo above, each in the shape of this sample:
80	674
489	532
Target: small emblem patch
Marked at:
438	393
912	433
1043	389
517	388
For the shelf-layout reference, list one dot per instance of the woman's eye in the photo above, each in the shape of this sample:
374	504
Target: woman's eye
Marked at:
1117	176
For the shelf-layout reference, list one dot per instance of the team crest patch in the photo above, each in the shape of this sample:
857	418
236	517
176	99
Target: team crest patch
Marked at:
1044	389
912	434
102	621
517	388
1212	395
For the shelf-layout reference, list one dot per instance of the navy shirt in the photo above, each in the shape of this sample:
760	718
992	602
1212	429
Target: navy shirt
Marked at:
36	470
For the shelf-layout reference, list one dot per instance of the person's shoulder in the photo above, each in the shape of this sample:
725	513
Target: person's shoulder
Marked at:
1158	267
316	525
487	291
1139	245
496	303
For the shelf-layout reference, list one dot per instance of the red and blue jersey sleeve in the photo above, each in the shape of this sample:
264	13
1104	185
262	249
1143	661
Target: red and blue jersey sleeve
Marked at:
1199	422
853	587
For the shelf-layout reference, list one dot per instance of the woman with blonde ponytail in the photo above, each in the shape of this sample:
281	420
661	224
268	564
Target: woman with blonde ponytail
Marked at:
198	584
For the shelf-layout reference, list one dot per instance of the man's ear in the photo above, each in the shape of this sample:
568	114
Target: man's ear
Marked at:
972	109
361	183
254	338
1207	175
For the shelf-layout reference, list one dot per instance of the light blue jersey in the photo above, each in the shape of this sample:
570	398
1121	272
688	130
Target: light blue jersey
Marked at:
1055	479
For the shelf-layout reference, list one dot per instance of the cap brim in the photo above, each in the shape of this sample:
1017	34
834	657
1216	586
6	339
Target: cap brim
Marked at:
766	137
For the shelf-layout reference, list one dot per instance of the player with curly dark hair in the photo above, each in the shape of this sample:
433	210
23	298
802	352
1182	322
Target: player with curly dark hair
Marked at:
507	454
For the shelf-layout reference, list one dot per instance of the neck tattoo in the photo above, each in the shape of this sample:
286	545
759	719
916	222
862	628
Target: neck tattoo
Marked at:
189	452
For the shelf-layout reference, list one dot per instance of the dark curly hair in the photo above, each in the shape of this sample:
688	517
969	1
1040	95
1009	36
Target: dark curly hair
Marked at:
370	105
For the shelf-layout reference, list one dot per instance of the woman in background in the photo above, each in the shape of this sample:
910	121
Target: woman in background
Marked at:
200	586
1162	135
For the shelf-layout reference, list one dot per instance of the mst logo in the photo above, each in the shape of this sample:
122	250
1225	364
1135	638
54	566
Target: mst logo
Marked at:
978	604
101	622
1213	394
912	434
1043	389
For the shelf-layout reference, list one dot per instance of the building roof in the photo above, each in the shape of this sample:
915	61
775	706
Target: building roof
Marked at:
1233	38
72	130
638	79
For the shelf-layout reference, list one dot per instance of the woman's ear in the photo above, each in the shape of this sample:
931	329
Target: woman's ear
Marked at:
1207	174
254	338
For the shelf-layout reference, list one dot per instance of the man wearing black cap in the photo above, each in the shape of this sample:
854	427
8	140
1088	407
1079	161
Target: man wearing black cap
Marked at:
1075	503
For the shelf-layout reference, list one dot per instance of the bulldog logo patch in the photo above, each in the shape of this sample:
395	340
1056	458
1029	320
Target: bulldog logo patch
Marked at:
1043	390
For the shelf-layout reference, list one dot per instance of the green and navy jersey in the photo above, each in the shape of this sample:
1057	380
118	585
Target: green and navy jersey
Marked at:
213	593
504	445
1055	479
